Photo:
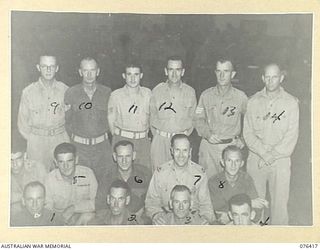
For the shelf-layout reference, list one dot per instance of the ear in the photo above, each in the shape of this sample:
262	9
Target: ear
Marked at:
253	214
108	199
80	72
25	156
166	71
242	163
171	150
182	72
281	77
77	159
127	200
191	203
263	79
55	162
230	215
222	163
57	68
123	76
233	73
23	202
190	152
98	71
170	204
38	67
114	155
134	154
141	75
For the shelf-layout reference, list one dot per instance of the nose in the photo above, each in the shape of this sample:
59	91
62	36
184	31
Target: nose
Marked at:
116	203
180	206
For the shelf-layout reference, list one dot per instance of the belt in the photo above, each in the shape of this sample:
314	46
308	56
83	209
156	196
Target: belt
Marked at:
48	131
130	134
89	141
228	140
168	134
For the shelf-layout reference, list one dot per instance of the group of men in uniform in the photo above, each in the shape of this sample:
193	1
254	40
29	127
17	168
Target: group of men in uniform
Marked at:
101	167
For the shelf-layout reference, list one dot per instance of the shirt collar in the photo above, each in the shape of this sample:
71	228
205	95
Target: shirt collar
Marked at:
43	86
264	93
227	95
168	84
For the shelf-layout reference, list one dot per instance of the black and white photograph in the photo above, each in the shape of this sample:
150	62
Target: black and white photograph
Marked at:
131	119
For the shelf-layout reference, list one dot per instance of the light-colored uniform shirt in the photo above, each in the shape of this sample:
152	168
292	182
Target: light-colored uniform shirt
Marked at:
81	192
129	111
166	177
220	114
194	218
41	107
32	171
172	110
272	125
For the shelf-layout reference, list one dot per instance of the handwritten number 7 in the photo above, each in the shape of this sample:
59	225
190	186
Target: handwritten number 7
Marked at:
198	179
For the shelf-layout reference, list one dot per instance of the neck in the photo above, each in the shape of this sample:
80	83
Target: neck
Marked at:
273	94
180	168
117	219
180	221
47	83
125	174
231	179
89	86
133	90
174	84
223	89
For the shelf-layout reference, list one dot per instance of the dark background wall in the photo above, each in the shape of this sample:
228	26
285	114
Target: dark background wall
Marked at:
250	40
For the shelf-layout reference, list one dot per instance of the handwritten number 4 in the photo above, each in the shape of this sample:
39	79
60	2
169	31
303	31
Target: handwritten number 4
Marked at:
198	179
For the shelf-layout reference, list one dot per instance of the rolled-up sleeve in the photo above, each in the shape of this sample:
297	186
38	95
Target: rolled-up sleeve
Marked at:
200	119
24	116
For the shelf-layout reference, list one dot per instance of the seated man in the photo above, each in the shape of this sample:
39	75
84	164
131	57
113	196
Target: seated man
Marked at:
135	175
180	203
240	210
179	171
23	170
71	188
117	213
230	182
33	212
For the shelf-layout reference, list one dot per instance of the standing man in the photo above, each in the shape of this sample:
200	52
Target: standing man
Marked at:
218	117
41	117
179	171
271	128
171	107
87	118
128	114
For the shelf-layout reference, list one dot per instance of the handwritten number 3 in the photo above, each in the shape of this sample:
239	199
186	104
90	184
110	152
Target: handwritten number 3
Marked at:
198	179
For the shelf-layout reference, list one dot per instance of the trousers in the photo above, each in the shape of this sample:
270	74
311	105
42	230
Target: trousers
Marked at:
278	177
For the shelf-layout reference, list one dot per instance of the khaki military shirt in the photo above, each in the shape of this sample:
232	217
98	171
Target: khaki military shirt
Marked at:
172	111
81	192
220	114
194	218
129	111
41	107
166	177
272	125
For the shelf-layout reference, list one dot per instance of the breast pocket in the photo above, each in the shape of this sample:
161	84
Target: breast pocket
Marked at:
231	114
258	123
83	191
36	114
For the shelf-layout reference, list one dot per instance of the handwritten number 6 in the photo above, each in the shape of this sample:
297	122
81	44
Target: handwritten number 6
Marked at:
198	179
137	180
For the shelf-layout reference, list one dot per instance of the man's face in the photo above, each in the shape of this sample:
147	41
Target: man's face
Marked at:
241	214
66	163
174	71
17	162
181	152
124	156
117	200
47	67
132	77
34	199
224	72
181	203
272	78
232	163
89	71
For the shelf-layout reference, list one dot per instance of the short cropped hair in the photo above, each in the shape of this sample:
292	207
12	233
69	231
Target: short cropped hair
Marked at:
232	148
64	148
175	58
224	59
132	63
177	137
89	59
239	200
123	143
34	184
274	63
179	188
120	184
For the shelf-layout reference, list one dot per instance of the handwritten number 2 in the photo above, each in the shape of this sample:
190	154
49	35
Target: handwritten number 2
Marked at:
132	217
198	179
